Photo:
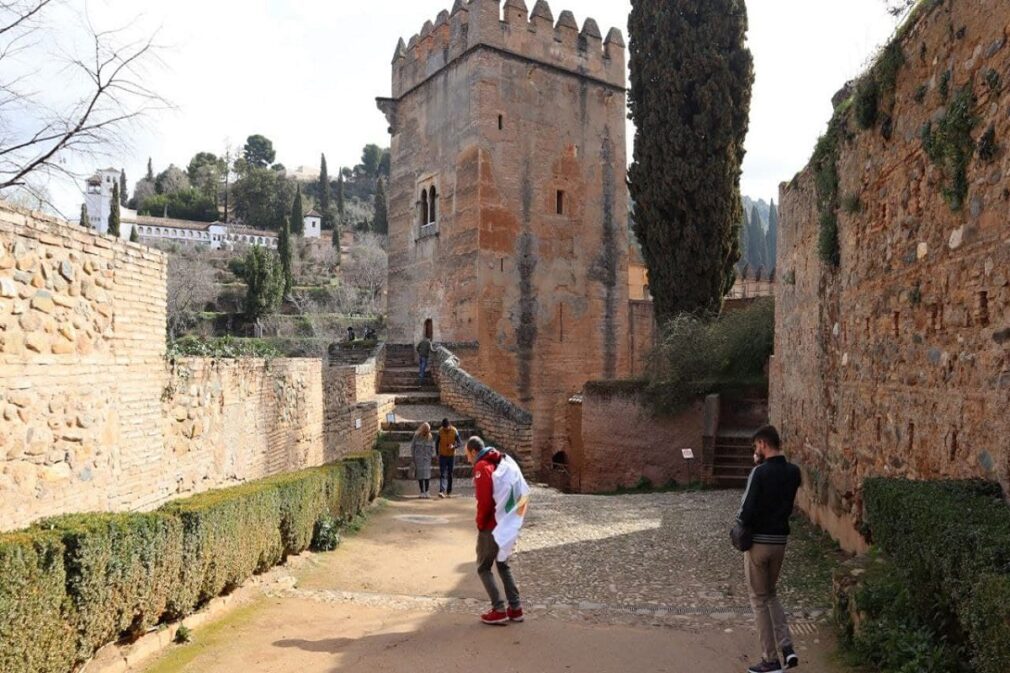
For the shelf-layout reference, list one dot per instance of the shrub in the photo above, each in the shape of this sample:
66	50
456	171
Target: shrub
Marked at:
221	348
302	498
950	146
698	356
121	570
35	637
228	535
327	534
951	541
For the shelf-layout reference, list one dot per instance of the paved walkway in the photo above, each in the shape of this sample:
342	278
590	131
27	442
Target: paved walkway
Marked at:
621	583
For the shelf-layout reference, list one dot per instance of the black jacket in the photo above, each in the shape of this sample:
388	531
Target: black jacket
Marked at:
768	501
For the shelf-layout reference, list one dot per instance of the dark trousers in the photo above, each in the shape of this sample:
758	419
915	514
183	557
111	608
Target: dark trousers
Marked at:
446	464
487	553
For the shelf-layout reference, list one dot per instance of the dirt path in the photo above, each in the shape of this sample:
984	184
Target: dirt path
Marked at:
402	597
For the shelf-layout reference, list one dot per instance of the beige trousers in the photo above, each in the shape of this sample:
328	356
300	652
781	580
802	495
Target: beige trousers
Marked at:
762	565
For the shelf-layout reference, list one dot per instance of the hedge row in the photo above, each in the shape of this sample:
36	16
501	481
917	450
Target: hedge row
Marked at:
951	541
71	584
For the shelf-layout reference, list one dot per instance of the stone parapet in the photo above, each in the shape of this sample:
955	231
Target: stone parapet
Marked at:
503	423
535	37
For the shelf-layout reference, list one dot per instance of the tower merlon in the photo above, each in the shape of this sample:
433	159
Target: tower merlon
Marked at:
508	26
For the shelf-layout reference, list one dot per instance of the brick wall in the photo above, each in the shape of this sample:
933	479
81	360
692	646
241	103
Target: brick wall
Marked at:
93	418
896	362
642	336
622	441
501	422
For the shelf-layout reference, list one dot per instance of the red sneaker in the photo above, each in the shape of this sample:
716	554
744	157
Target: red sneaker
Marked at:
515	615
495	618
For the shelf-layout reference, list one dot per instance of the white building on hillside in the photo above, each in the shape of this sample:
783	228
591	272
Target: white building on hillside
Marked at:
214	235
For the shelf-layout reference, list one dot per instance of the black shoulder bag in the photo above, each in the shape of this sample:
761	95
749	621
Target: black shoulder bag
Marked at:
742	537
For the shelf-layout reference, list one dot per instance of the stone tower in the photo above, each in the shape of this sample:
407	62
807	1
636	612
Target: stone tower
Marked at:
508	204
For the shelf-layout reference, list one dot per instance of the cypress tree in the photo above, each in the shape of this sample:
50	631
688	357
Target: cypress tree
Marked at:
264	283
340	196
284	251
756	240
297	216
85	218
324	194
150	170
114	212
134	236
124	190
772	237
691	78
380	225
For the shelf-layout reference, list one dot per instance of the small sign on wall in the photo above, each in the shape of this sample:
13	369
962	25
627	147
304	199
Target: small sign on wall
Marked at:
391	418
687	453
357	423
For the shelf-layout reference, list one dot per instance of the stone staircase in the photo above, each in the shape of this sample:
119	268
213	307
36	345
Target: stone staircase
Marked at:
418	402
733	460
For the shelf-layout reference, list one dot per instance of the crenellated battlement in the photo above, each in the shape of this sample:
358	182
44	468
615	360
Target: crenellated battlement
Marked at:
510	28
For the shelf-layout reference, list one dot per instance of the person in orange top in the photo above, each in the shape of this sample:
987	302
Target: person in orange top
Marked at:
448	442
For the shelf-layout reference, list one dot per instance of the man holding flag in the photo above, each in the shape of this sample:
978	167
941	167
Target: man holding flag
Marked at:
502	498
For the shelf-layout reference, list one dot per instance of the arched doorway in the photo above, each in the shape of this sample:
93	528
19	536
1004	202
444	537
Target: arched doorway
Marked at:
429	329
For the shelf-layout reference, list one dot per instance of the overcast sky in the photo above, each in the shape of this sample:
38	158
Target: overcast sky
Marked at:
305	74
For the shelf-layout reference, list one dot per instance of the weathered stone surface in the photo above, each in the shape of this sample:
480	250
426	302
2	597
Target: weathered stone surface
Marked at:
921	393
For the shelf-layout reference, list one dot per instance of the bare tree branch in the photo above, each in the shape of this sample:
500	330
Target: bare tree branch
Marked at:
116	97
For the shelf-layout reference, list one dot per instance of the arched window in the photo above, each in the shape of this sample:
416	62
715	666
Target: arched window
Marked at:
432	205
424	207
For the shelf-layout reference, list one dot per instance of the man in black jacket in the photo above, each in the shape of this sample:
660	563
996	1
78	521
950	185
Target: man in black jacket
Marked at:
765	511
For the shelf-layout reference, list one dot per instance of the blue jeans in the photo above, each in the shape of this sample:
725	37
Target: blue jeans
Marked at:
423	369
445	467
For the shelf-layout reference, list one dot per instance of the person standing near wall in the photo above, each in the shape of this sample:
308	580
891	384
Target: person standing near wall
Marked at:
422	449
762	532
448	442
423	354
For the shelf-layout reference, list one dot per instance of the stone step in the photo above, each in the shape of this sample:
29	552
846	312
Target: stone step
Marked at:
408	399
459	472
405	389
742	461
729	482
735	471
733	452
730	438
405	436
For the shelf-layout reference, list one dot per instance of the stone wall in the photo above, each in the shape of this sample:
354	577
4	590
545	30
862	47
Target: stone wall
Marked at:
501	422
895	363
620	441
93	417
642	337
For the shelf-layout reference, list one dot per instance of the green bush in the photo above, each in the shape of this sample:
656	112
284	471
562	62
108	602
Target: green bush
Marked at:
71	584
35	637
302	502
698	356
122	570
228	536
221	347
951	540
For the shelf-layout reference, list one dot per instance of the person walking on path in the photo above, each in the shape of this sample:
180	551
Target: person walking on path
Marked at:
764	517
422	449
502	496
423	354
448	442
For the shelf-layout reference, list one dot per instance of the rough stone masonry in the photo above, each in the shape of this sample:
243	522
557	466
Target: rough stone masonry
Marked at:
507	204
897	363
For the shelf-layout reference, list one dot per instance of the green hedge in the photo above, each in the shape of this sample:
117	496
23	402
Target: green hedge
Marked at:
34	635
951	541
71	584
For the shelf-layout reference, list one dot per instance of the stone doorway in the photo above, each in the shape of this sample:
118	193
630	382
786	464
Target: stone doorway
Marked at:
429	329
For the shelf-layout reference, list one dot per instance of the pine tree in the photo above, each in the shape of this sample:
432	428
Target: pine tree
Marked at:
297	216
114	212
134	236
380	225
150	171
340	196
772	237
85	218
324	194
691	77
124	189
284	251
